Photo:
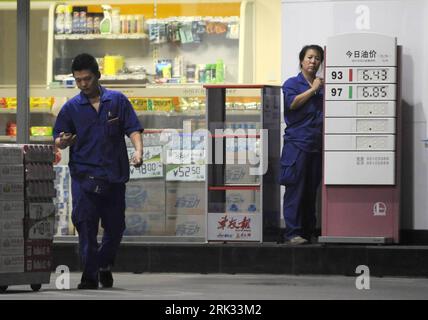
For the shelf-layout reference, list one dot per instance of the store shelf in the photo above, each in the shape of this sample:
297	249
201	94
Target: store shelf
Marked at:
42	139
7	110
107	78
235	187
196	113
34	110
7	139
41	110
243	112
101	36
193	113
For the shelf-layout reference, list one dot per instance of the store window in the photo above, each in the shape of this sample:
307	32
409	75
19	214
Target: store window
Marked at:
159	54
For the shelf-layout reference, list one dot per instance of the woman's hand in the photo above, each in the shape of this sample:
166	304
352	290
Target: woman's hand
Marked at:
317	84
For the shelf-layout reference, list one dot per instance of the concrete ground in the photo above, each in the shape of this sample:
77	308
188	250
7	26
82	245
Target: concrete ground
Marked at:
171	286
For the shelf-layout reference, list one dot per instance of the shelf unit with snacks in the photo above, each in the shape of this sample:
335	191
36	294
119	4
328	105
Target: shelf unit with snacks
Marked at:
169	189
152	42
243	196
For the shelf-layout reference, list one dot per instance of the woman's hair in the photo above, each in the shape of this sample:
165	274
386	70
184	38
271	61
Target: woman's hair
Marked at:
85	61
309	47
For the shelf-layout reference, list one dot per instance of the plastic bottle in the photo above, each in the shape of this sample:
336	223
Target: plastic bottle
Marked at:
60	19
219	71
106	24
202	73
97	21
123	24
115	19
139	23
82	16
76	20
131	23
68	19
89	23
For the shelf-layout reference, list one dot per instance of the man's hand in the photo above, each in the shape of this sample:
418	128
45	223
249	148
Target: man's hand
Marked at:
137	159
66	140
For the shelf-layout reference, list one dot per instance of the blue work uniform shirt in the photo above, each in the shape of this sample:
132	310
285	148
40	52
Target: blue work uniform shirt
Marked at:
304	124
100	148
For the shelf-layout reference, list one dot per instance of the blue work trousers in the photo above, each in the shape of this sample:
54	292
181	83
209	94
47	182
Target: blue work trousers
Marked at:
88	209
301	174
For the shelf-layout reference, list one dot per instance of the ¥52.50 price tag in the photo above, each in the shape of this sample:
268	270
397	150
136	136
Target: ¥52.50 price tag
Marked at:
185	172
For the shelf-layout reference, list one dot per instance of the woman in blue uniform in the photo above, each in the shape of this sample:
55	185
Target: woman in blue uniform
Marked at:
301	154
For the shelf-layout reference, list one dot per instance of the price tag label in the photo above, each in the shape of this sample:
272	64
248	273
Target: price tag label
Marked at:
186	172
361	74
374	92
152	166
180	156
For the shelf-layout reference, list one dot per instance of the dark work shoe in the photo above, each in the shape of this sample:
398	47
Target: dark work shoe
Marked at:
106	278
88	285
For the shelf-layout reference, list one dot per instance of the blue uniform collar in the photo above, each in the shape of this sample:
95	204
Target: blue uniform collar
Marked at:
302	79
105	96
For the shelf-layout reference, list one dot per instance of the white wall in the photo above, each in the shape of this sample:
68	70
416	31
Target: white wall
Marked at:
268	41
307	22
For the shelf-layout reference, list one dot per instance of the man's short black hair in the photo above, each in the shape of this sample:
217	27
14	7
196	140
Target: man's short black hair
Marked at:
309	47
85	61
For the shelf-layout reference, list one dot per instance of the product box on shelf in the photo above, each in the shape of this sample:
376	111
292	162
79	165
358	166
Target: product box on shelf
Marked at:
240	174
12	245
11	191
41	210
40	189
62	225
12	263
145	195
37	248
11	173
186	225
11	228
10	209
143	224
242	201
38	264
39	171
11	154
185	198
42	229
38	255
39	153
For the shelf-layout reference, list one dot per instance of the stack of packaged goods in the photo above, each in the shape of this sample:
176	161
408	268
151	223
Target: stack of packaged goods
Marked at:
12	206
185	175
39	217
145	192
62	202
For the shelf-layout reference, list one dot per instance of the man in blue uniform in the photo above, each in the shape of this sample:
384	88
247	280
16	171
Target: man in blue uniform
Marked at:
93	125
301	154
